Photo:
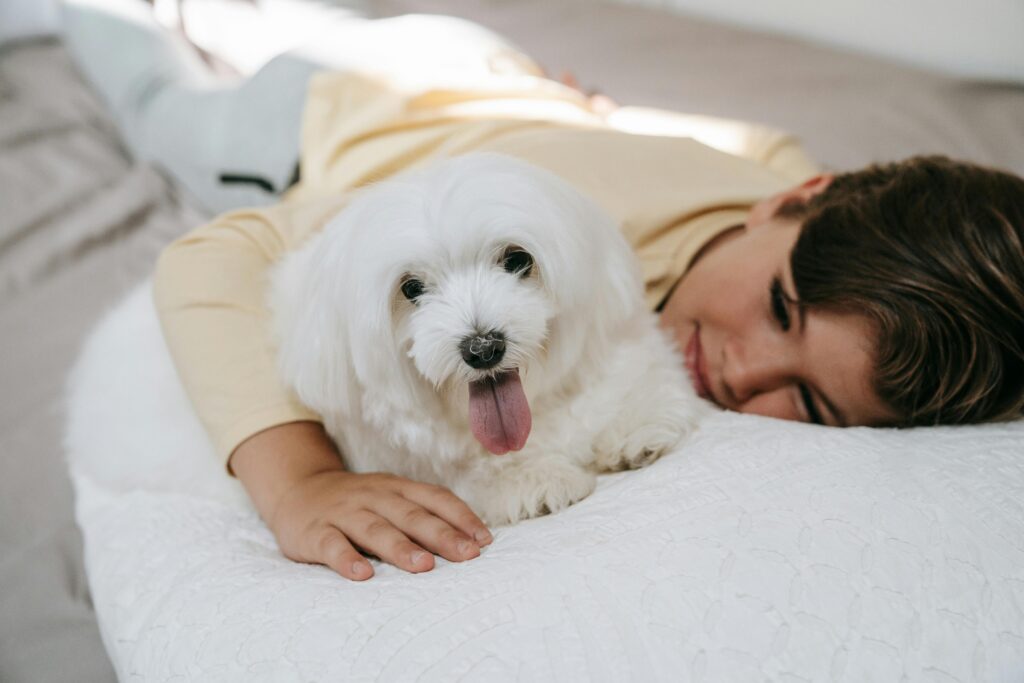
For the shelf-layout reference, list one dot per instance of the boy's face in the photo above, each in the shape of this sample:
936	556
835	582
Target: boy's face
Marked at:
750	348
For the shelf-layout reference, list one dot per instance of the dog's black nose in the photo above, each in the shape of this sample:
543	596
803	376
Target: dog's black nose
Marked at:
483	351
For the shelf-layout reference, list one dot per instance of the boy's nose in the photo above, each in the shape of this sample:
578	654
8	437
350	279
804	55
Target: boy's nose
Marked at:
755	368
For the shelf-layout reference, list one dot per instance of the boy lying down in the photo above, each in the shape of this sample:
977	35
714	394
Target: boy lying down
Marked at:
891	295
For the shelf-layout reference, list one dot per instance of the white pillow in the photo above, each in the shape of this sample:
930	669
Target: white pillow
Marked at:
763	550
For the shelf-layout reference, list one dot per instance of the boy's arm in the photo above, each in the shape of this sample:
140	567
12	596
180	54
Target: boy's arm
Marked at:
210	293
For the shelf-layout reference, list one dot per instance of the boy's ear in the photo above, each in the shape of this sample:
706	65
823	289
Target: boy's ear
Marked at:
806	190
814	186
765	210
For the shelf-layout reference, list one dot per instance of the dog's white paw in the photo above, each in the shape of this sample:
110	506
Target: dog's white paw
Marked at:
538	486
616	451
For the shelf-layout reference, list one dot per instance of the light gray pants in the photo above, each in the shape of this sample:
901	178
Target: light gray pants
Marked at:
236	143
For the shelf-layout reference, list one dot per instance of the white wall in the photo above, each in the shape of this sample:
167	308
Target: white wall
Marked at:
975	38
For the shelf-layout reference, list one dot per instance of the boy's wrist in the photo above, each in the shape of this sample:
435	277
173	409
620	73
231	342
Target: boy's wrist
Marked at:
272	461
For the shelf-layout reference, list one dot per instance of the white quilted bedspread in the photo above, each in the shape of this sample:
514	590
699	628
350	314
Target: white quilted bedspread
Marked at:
763	550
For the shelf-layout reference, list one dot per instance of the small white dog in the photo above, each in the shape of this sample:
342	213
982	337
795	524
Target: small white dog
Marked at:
479	324
476	323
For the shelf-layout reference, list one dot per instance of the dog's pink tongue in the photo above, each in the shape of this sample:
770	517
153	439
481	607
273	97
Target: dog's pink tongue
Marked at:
498	413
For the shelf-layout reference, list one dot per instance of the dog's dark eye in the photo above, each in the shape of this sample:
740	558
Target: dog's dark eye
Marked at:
412	289
518	261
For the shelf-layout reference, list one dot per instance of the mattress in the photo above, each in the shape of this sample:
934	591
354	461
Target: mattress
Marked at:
759	550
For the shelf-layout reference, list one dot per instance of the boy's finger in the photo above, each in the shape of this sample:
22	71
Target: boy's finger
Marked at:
380	537
334	550
430	531
450	508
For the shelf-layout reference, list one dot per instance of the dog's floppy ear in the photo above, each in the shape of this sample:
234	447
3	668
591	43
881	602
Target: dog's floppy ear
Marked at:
311	326
379	359
333	317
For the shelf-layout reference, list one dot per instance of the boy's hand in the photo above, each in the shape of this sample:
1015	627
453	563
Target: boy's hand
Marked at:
329	516
322	514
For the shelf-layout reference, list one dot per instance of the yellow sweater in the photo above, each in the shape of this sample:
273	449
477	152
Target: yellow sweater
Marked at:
670	193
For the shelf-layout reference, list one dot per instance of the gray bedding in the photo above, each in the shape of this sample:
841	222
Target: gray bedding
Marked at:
80	223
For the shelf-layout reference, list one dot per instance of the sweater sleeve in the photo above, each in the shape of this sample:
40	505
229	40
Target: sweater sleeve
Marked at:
209	290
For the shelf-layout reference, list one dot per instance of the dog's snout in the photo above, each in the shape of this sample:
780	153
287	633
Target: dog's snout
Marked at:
483	351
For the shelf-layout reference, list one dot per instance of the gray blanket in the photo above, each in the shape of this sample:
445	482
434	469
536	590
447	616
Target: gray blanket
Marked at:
80	223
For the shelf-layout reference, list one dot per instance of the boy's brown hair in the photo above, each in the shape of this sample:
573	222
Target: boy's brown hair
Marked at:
932	252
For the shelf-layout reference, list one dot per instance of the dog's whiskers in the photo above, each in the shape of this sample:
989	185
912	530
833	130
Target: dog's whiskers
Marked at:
523	357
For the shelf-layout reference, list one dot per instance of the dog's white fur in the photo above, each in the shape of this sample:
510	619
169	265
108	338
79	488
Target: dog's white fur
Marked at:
606	388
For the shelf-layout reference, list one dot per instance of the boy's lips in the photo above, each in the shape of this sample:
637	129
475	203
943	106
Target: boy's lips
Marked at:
695	364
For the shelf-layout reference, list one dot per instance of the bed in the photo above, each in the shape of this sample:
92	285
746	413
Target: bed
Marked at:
81	223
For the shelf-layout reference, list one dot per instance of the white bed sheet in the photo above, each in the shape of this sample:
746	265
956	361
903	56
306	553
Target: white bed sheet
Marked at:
762	549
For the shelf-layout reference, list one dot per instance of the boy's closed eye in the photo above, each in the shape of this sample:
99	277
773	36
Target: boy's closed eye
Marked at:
780	304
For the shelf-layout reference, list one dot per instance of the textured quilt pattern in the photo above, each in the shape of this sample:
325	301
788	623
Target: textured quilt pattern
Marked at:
761	550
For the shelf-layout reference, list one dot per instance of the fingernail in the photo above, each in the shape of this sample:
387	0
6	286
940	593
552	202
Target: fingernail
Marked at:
463	547
482	536
417	556
358	568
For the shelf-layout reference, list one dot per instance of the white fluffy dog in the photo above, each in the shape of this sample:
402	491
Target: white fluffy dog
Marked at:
476	323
